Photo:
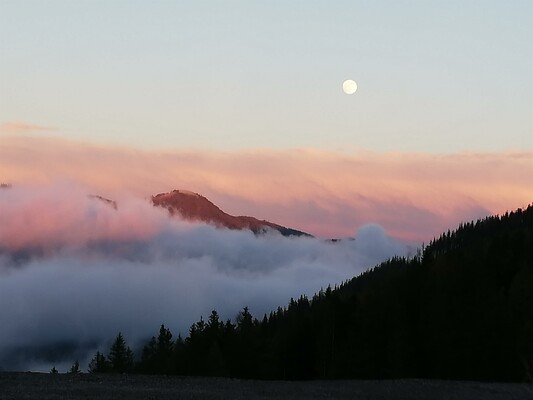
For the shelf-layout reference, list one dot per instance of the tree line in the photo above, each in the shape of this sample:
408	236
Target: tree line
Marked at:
461	309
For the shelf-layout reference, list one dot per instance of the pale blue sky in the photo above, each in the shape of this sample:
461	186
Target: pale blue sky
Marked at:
433	76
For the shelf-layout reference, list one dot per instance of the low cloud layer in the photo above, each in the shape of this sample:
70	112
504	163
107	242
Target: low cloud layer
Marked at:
74	271
413	196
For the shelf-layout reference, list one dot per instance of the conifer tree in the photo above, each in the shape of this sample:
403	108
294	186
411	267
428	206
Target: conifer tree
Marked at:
120	356
75	368
98	364
147	364
164	351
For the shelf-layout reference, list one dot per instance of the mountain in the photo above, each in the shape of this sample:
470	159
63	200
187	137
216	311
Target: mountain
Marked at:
111	203
194	207
462	309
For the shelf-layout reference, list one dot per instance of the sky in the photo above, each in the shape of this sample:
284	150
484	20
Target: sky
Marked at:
413	196
433	76
439	131
242	102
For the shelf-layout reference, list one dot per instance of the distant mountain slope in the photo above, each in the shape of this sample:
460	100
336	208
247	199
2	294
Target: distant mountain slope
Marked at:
111	203
462	309
194	207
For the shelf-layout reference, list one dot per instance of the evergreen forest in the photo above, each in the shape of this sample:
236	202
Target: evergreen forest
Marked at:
461	309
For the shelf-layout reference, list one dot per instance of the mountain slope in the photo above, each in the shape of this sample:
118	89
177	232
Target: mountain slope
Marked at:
461	310
194	207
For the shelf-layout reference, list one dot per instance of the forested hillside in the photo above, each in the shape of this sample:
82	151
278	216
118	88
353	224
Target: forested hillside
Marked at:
461	309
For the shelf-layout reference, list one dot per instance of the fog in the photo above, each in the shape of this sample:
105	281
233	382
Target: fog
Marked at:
74	272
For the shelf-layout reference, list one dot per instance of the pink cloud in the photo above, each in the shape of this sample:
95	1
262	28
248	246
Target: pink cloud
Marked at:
412	195
62	214
14	127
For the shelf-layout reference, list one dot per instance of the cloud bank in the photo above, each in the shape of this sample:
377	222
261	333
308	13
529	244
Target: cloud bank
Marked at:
413	196
74	271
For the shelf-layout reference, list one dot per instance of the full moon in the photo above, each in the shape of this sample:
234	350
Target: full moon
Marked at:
349	86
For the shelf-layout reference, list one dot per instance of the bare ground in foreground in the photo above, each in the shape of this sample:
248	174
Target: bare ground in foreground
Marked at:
132	387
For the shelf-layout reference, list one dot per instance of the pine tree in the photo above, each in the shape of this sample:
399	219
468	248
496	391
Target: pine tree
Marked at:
246	350
164	341
147	365
75	368
164	351
215	362
98	364
245	321
120	356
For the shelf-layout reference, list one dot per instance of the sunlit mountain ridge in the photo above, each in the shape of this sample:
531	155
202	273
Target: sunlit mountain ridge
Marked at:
195	207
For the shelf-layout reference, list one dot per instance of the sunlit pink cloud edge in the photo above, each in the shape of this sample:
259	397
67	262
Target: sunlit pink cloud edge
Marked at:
414	196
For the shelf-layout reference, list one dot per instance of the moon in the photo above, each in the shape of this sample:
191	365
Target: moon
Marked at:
349	86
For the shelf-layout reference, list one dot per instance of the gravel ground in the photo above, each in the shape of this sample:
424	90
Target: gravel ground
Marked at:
87	386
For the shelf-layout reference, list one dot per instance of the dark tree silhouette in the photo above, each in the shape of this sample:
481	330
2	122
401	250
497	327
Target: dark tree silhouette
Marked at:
158	355
99	364
75	368
120	356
